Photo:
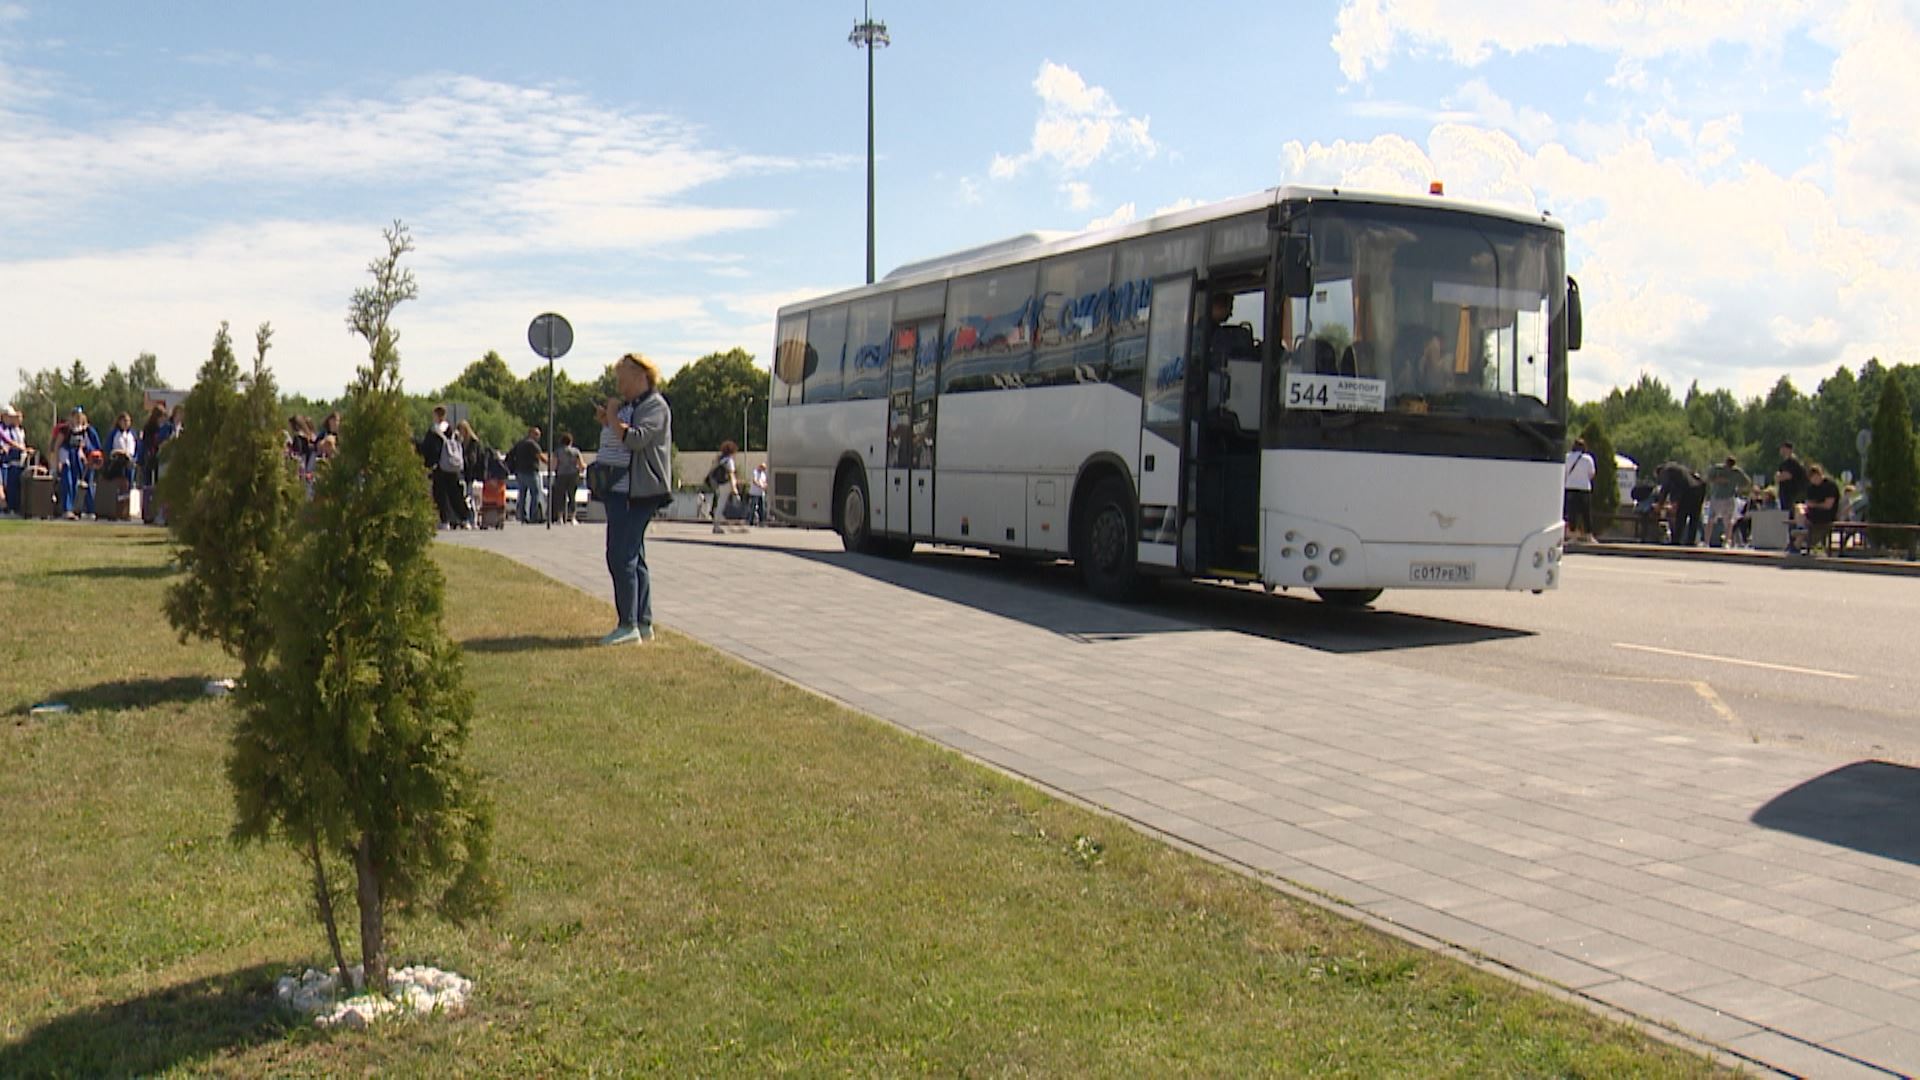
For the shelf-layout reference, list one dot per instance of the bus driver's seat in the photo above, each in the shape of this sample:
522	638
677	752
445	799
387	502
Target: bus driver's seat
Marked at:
1234	358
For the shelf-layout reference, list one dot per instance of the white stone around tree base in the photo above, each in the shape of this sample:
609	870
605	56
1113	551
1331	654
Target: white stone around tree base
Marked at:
420	990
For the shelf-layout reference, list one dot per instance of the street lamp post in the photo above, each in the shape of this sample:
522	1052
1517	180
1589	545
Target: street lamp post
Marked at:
871	36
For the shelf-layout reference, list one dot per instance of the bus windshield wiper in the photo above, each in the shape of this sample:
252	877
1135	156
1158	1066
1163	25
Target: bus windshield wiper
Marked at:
1547	442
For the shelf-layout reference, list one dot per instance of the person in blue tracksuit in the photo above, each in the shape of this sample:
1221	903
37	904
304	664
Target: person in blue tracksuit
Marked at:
79	449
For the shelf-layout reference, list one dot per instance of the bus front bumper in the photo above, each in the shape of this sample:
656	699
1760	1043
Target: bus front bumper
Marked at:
1300	552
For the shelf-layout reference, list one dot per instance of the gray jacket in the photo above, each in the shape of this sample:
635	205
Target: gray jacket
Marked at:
645	445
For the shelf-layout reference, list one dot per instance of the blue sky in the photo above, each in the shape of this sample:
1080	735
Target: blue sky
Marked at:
1741	184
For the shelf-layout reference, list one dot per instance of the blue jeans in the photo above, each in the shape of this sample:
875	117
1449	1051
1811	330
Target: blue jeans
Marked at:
530	498
627	560
70	478
10	478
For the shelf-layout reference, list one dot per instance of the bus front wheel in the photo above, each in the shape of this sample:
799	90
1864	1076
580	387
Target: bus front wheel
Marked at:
1108	545
855	527
1352	598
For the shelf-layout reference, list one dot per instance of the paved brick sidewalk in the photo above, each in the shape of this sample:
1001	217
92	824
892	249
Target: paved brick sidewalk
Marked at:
1606	853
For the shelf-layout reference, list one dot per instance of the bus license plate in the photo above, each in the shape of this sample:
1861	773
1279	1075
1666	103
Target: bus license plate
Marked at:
1442	573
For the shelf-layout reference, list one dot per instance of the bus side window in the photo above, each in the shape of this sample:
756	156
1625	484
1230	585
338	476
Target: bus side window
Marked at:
1130	300
826	339
1074	318
790	361
990	318
867	352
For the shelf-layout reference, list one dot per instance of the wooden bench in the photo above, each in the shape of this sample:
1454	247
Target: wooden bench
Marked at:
1837	542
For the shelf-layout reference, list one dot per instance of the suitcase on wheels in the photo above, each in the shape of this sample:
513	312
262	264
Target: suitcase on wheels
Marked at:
114	499
38	494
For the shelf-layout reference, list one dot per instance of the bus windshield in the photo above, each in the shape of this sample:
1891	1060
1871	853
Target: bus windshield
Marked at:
1425	312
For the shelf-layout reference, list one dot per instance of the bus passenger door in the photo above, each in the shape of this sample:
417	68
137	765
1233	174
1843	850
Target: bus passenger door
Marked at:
926	385
900	433
1162	421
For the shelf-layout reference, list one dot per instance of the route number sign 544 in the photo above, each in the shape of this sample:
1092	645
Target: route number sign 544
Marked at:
1334	393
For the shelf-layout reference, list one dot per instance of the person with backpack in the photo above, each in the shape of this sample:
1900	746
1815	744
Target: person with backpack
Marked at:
632	474
723	479
449	480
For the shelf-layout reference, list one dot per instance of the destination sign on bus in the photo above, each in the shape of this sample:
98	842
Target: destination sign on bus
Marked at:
1335	393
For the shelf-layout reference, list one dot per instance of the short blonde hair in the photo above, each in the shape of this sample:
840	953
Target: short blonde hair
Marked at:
646	367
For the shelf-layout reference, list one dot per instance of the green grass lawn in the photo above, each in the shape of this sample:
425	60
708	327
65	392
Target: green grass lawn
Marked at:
709	872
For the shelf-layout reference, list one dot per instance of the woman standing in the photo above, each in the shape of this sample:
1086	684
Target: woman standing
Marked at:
635	434
473	469
79	449
566	480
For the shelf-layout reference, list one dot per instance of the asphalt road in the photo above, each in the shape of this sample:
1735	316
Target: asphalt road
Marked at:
1800	656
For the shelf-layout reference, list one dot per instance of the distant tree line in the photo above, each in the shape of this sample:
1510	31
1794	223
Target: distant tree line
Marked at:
1649	424
720	396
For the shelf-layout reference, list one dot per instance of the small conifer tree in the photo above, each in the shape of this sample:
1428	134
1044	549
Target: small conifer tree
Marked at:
1894	498
233	494
356	727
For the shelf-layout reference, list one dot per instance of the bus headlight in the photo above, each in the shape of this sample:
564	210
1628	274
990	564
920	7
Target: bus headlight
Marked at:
1337	556
1311	574
1312	550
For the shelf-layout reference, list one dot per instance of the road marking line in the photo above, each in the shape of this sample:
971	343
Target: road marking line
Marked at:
1735	660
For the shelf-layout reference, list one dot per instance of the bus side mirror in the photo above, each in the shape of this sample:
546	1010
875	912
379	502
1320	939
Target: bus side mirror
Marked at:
1296	267
1573	315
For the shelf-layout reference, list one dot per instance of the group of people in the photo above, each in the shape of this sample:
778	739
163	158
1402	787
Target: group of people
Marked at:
462	468
1677	505
308	444
85	462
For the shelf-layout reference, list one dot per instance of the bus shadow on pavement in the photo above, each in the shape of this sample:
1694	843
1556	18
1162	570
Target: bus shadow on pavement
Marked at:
1869	807
1049	596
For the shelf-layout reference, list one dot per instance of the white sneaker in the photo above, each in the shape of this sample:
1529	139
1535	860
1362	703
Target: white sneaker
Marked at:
622	635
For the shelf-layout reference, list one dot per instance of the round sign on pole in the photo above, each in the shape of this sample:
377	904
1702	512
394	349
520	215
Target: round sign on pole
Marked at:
550	335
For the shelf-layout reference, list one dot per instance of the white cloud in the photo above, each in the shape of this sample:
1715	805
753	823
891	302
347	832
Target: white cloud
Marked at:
1079	194
517	195
10	13
1369	32
1478	102
1122	215
1078	126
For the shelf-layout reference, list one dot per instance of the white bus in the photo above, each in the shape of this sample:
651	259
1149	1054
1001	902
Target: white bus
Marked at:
1305	388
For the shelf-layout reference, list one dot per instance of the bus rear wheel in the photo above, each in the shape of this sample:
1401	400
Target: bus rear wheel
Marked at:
851	517
1107	544
1350	598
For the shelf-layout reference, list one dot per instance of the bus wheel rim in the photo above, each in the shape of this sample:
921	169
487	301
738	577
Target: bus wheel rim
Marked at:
1109	539
853	512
